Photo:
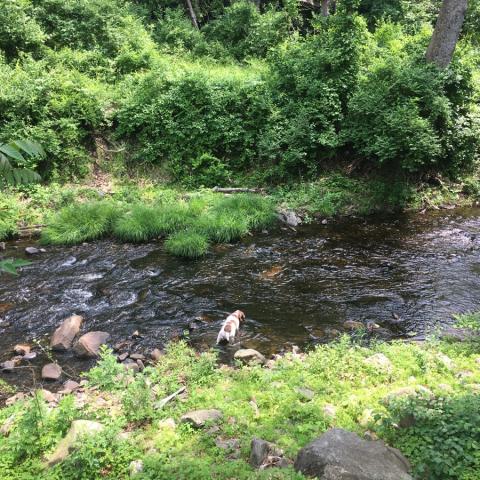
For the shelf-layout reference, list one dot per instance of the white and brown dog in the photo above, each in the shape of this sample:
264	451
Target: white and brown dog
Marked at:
230	327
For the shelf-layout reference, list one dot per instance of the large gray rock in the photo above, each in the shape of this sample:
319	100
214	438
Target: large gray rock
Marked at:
342	455
88	345
63	336
249	355
78	429
199	418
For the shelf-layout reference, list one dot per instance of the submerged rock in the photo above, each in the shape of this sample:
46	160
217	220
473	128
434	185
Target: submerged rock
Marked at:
342	455
199	418
63	336
78	429
51	371
249	355
88	345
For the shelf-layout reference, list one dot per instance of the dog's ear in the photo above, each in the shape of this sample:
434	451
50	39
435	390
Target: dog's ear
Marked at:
241	316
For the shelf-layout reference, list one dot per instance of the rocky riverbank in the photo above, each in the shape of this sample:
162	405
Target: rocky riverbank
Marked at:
182	416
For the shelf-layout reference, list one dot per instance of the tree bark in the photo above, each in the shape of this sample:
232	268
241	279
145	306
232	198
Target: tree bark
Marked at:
446	33
193	16
325	8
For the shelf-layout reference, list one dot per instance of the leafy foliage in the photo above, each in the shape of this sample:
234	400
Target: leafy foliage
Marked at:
11	266
14	152
444	440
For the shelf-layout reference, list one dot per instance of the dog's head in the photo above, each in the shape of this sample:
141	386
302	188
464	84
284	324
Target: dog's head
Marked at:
240	315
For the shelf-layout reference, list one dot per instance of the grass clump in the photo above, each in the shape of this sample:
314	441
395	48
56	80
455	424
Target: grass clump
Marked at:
79	223
140	224
222	227
188	244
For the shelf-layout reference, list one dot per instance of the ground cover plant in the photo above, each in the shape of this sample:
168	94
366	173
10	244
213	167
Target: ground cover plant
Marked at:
427	381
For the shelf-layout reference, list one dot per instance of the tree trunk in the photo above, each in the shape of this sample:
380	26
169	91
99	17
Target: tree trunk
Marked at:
325	8
446	33
193	16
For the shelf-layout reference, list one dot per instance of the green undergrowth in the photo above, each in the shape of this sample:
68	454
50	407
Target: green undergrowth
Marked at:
440	394
189	222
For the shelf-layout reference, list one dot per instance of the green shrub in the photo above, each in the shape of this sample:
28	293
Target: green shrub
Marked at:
19	31
406	114
468	320
444	441
80	223
189	244
59	108
184	120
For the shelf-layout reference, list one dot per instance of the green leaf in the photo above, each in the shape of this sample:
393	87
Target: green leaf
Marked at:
12	152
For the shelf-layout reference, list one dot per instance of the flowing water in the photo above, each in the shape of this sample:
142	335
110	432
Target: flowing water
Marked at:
407	273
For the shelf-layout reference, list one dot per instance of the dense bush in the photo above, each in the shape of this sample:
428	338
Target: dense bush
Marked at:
57	107
407	114
195	123
442	438
19	31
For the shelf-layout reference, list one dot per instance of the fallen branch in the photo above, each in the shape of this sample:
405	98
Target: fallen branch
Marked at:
161	403
238	190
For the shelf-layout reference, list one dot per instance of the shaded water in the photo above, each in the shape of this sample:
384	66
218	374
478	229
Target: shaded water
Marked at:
408	273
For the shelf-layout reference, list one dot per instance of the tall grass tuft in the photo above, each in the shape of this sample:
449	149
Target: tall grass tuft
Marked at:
188	244
222	227
172	218
80	223
140	224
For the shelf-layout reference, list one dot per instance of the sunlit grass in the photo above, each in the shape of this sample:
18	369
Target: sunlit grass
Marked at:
188	243
80	223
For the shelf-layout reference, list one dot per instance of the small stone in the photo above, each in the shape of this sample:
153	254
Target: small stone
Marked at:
29	356
167	423
446	361
227	444
260	452
32	250
366	418
137	356
249	355
270	364
141	365
122	357
70	386
324	221
199	418
7	425
8	366
380	362
22	349
15	398
305	393
329	411
88	345
78	429
353	325
47	395
131	365
136	334
135	468
63	336
51	371
156	354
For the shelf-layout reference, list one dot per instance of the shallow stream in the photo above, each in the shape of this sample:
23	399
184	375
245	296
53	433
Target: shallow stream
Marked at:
408	273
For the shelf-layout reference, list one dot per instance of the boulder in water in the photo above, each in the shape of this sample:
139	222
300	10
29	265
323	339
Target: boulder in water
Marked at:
88	345
63	336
